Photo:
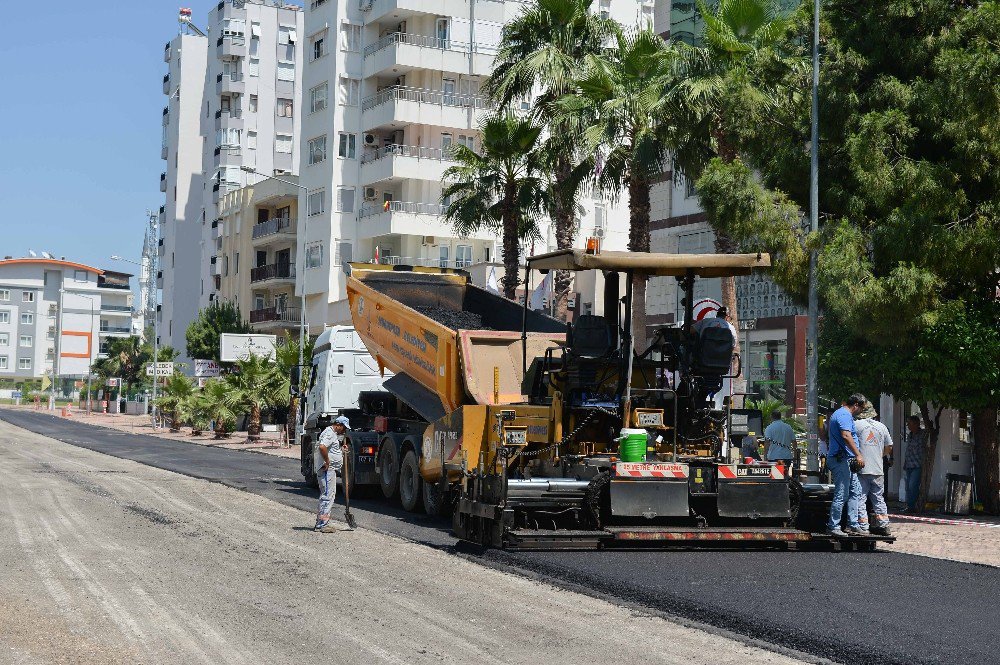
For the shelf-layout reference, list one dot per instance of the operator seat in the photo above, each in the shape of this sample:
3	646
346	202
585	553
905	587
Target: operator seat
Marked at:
711	352
588	345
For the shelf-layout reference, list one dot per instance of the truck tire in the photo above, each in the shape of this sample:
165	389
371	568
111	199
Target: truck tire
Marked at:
434	499
308	472
410	482
388	469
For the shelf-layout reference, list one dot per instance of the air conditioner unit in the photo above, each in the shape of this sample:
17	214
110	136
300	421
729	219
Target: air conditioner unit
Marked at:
280	172
427	240
371	193
370	139
599	232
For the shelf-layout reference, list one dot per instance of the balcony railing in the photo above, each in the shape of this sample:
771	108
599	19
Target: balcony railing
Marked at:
409	207
271	227
232	76
415	40
115	329
420	152
237	40
116	308
232	113
272	271
282	314
437	97
422	261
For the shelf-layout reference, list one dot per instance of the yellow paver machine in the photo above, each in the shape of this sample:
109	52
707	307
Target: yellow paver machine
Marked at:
535	433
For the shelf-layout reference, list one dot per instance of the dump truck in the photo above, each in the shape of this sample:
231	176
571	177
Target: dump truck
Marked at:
533	433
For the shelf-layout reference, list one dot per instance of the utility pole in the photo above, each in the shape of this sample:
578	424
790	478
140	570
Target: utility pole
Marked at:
154	266
812	332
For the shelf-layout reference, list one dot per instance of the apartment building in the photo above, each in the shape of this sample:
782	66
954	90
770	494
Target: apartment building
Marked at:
241	90
389	86
58	316
257	226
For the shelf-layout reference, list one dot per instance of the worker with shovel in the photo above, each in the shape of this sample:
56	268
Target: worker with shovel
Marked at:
328	459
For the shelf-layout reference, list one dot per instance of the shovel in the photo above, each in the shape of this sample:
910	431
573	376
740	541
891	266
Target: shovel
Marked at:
351	523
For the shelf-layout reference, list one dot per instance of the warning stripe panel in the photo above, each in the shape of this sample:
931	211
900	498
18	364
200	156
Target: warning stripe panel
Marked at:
650	470
714	535
775	472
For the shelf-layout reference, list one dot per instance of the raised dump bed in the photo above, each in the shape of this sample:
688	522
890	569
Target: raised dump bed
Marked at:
449	342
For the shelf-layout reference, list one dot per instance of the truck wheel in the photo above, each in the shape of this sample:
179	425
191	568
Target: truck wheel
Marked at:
388	469
308	472
410	482
434	499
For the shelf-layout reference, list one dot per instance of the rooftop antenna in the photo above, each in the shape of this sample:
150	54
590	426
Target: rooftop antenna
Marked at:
184	18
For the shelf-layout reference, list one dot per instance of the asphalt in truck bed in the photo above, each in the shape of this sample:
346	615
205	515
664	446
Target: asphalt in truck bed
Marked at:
848	607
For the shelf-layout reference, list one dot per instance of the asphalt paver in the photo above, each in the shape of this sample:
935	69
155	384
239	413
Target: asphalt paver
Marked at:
850	607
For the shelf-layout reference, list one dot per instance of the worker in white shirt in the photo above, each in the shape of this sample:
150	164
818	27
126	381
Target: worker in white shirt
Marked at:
328	459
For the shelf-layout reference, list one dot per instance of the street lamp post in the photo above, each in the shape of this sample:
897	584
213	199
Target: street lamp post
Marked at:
300	282
156	322
812	331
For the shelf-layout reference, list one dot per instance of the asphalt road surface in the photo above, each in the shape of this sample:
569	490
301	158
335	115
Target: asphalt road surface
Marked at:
846	607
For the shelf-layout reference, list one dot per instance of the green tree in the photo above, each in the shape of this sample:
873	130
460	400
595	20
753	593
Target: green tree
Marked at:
216	404
619	100
174	400
544	47
127	359
502	188
255	385
287	358
910	198
203	334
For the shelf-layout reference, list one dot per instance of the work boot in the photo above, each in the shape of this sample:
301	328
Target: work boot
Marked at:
855	531
882	530
837	532
325	528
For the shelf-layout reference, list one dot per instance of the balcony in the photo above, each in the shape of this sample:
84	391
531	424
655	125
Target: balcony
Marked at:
116	310
399	52
216	230
407	218
160	249
274	230
231	46
164	152
394	162
107	329
424	261
166	84
276	317
397	106
166	116
166	52
487	10
229	118
273	272
229	83
216	267
159	279
163	182
227	155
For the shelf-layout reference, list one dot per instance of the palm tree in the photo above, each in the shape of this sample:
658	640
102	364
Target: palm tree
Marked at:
619	99
545	47
287	357
256	385
176	391
127	359
215	395
714	85
502	189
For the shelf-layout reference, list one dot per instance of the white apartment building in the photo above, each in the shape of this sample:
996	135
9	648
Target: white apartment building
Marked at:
57	316
388	87
241	90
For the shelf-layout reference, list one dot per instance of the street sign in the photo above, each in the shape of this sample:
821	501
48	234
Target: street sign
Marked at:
704	307
114	383
206	368
233	346
160	369
16	394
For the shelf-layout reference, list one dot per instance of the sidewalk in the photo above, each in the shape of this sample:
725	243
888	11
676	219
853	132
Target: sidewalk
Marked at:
271	443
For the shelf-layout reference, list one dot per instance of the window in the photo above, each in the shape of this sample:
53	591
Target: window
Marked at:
286	71
316	3
228	137
4	339
318	45
350	91
317	150
350	37
689	188
79	275
468	141
5	295
347	147
314	255
463	256
24	363
443	256
253	104
3	362
27	318
254	68
345	199
27	341
28	296
316	203
284	108
317	98
282	143
286	34
600	217
251	140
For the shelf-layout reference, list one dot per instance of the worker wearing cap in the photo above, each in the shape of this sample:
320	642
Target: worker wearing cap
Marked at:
876	443
328	459
780	438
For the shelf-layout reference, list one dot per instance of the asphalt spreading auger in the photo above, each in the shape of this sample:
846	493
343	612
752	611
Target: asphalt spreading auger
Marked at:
538	434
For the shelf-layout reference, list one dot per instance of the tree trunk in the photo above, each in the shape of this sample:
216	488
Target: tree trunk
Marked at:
725	245
933	427
565	222
984	428
253	427
638	241
511	247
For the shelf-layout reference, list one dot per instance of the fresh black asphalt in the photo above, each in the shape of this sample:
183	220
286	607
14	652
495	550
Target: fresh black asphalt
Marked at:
847	607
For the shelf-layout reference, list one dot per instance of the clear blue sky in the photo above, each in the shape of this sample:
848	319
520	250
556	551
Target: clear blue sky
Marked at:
80	125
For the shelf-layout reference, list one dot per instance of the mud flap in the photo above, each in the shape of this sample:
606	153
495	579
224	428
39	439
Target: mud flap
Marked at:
753	499
649	498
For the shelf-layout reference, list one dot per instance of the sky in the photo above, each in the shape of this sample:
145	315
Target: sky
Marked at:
80	118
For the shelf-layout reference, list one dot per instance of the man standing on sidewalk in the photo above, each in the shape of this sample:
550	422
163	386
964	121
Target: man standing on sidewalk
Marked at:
328	459
916	441
844	447
876	443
